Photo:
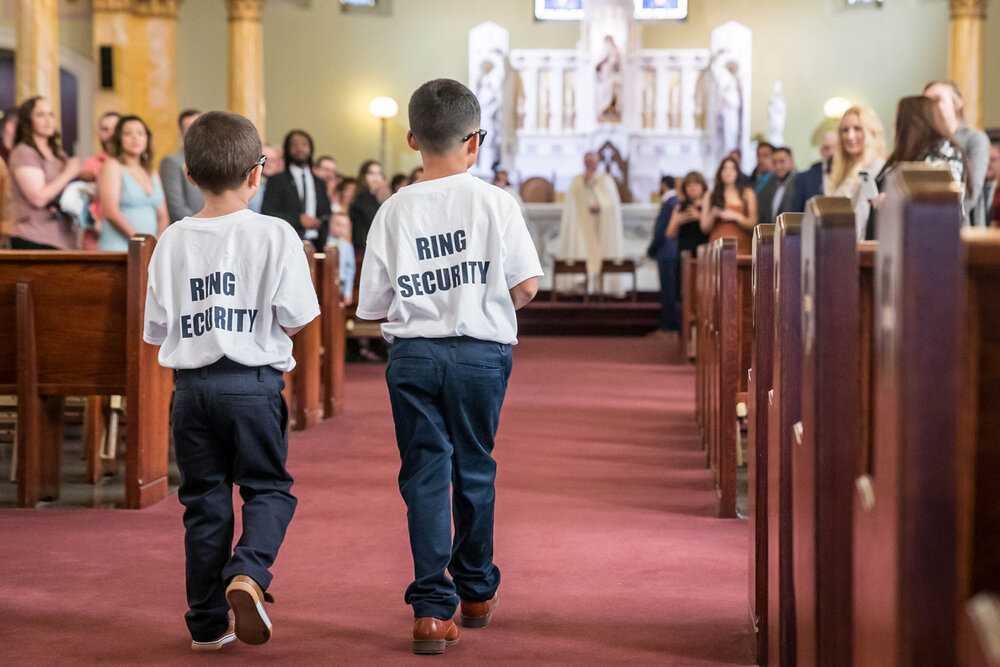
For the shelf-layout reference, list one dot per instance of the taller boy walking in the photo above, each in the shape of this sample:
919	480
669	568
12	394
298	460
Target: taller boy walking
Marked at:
449	259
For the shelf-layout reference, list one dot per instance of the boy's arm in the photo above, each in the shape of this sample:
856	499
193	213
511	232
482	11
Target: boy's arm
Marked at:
521	266
155	315
295	304
523	292
376	288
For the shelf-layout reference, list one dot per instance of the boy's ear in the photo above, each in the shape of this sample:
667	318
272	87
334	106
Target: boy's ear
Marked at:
411	140
188	176
253	180
471	149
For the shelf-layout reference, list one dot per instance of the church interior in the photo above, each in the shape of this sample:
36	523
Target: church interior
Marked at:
754	409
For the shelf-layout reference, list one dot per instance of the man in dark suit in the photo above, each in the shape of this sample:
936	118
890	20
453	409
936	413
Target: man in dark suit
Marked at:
296	195
778	193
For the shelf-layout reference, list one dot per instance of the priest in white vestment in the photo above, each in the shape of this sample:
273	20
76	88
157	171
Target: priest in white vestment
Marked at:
592	223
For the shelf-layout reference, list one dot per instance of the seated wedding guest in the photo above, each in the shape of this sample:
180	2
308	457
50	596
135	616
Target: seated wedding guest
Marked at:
761	174
398	181
131	194
40	170
372	191
6	207
809	183
183	198
921	136
858	158
860	147
343	195
991	189
731	210
778	193
340	236
274	164
973	143
298	196
91	168
664	250
8	126
416	174
325	168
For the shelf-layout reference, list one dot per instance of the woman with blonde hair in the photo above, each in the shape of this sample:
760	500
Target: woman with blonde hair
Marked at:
859	156
860	146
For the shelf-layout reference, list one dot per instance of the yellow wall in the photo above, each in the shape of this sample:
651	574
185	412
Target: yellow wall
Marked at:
322	66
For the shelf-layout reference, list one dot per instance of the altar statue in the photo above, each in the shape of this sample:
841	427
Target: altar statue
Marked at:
609	83
592	220
777	112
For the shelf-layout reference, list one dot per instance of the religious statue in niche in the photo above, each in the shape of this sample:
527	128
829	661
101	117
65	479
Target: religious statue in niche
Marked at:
609	83
489	91
777	112
728	102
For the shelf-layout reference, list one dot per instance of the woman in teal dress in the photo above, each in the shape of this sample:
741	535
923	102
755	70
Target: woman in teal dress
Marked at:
131	193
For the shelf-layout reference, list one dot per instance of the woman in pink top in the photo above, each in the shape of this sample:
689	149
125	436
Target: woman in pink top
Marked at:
40	170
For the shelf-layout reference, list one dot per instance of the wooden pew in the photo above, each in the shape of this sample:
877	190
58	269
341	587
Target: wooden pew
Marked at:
759	383
302	392
700	334
688	337
905	536
724	380
334	331
824	453
784	410
75	324
978	449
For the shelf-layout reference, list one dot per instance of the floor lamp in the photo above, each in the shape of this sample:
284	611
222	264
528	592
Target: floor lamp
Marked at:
383	108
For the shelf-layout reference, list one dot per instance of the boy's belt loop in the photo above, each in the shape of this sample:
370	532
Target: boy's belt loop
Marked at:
260	374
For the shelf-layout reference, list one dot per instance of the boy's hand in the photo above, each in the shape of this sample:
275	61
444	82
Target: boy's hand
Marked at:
308	222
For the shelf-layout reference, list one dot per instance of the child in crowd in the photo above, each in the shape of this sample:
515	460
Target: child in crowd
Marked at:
448	261
340	235
227	288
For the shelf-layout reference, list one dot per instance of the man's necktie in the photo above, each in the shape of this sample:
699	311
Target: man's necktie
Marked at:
303	197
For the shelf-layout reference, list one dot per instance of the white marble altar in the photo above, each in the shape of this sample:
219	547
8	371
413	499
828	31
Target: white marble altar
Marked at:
668	111
638	219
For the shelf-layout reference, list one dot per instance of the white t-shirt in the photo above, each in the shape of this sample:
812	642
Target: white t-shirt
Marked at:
441	258
224	287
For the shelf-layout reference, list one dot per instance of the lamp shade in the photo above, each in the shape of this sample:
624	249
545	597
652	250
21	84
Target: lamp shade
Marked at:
836	106
383	107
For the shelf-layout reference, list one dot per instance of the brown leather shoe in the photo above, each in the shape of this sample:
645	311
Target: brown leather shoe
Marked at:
246	599
478	614
431	635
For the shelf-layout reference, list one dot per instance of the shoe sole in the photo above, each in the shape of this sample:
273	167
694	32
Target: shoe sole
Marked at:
215	644
432	646
479	621
252	624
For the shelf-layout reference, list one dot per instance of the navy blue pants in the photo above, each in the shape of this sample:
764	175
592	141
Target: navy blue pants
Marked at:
446	396
230	426
669	290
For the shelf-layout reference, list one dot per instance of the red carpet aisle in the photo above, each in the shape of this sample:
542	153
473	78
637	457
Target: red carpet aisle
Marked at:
605	537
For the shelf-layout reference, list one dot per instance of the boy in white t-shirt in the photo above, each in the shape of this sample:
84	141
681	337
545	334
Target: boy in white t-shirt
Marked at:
227	288
448	261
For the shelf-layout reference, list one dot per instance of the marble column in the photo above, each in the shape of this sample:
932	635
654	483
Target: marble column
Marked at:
246	60
113	26
37	52
156	50
965	54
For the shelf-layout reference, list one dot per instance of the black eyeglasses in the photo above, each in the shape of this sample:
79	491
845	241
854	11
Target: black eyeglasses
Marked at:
258	163
481	133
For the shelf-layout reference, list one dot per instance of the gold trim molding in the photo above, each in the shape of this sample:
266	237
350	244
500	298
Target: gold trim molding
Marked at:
968	9
164	9
244	10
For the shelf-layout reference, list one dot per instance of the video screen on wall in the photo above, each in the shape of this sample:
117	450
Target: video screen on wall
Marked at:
572	10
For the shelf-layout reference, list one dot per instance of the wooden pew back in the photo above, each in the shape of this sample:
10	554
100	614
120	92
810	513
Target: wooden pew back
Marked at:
905	596
759	383
824	457
784	409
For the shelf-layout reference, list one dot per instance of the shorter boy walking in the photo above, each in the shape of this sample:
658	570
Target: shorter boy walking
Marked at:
448	261
227	288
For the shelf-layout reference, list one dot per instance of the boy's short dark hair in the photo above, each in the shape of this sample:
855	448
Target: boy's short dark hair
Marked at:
441	112
220	149
783	149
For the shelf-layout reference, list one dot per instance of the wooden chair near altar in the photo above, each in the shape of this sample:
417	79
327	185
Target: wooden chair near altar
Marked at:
537	190
613	162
